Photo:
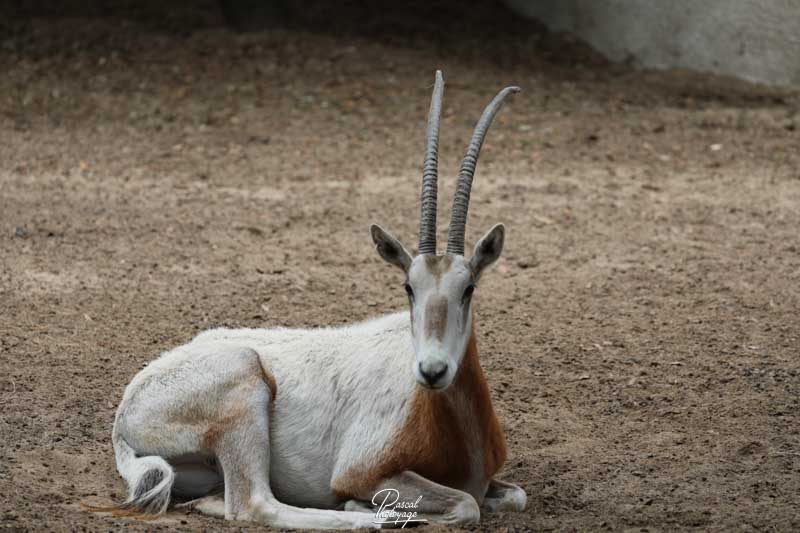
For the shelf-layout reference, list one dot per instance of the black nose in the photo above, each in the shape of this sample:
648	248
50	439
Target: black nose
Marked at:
433	373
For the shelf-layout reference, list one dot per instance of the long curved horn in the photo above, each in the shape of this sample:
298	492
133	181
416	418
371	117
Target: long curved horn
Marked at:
458	222
430	173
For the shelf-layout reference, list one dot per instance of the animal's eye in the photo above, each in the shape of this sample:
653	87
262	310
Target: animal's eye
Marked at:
409	290
468	292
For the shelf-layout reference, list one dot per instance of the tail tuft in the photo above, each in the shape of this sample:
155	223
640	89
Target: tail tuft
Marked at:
149	487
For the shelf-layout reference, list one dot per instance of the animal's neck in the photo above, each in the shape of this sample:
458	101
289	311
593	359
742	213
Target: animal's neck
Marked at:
459	423
451	437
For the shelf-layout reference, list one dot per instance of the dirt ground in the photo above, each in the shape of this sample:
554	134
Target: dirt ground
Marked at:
160	174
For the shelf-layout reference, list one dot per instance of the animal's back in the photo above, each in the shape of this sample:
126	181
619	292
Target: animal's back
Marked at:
326	397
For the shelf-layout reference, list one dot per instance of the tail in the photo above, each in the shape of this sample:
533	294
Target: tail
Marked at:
149	478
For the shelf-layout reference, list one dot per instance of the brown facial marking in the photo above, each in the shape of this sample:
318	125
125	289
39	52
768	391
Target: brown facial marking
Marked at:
436	317
438	265
436	438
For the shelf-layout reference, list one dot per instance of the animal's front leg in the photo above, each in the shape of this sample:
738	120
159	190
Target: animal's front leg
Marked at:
409	495
502	496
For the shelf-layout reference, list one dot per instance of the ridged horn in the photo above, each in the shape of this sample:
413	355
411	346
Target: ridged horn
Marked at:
430	172
458	222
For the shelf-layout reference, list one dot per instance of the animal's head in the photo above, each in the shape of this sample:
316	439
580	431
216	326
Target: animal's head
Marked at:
440	287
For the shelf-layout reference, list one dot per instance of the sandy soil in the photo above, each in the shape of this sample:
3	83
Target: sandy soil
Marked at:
160	175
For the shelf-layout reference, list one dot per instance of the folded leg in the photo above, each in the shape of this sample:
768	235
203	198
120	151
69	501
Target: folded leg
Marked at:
430	501
503	496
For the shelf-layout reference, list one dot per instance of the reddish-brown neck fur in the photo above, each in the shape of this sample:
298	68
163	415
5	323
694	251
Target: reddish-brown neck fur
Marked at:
445	436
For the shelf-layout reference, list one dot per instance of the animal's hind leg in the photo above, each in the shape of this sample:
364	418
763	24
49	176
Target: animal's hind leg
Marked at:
240	441
241	444
243	452
169	415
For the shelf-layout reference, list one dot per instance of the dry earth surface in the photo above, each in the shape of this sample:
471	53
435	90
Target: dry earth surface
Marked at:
161	174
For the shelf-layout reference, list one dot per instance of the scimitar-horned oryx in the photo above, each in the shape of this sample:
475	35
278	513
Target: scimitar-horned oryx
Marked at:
301	428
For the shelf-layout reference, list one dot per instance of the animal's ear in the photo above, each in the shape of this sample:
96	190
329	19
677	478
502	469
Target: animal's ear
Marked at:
487	250
390	248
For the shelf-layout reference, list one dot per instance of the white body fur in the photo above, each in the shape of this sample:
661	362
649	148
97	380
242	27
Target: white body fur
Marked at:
340	397
342	393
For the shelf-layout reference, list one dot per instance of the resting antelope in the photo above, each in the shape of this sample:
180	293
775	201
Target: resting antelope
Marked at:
300	428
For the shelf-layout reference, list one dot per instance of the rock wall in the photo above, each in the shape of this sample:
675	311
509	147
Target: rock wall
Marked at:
756	40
